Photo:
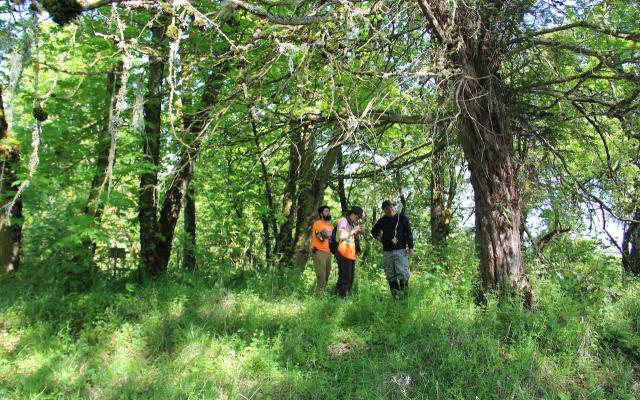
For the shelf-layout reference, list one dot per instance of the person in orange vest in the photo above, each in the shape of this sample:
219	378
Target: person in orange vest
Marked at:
347	252
320	234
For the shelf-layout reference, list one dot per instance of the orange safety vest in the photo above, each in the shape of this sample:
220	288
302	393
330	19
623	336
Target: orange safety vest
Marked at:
347	247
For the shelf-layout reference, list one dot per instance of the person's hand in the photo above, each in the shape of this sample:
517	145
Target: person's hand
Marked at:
357	230
410	253
326	232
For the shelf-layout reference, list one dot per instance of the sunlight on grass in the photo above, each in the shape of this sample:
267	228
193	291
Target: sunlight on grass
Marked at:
218	344
30	364
68	373
122	357
176	307
8	341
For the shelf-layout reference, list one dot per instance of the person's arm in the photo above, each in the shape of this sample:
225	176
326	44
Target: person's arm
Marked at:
407	231
375	231
408	235
342	229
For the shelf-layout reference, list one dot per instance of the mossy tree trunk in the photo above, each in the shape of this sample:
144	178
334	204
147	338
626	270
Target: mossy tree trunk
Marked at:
472	43
10	220
147	197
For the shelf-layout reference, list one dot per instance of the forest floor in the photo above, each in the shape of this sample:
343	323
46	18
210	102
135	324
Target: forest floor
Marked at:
261	335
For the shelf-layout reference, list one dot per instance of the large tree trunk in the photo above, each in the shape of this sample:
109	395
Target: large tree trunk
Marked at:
303	211
10	225
473	43
171	207
147	200
311	198
290	196
489	153
183	174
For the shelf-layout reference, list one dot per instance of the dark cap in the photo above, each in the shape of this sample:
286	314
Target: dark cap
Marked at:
387	203
357	211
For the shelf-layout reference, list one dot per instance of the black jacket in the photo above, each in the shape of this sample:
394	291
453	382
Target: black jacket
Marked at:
397	226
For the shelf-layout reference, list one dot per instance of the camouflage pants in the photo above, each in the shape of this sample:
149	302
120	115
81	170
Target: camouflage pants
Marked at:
396	265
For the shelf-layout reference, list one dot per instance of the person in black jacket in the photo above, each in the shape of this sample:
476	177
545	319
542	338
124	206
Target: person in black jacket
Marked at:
393	230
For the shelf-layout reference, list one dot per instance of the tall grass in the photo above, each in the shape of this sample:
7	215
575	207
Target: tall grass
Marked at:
258	335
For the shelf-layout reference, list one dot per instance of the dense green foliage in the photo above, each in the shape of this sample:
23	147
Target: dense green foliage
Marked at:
200	137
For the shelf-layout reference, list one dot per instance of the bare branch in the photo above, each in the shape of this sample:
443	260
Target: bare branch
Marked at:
633	36
400	162
600	55
587	74
88	6
432	20
612	240
579	184
582	99
546	238
280	3
398	118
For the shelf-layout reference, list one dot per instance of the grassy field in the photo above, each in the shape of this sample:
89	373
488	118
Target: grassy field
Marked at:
260	335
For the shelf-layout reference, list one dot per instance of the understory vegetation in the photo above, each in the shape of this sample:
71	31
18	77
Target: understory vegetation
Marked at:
246	333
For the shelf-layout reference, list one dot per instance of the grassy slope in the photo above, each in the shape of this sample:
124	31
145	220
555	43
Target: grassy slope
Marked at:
194	337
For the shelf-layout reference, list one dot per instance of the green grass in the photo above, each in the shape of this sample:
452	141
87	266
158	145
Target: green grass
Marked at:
257	336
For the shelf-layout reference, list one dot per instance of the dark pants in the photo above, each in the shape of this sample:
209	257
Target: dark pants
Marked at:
346	273
399	288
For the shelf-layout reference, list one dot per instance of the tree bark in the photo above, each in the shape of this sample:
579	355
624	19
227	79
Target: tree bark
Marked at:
10	227
296	253
157	231
289	197
147	200
484	132
489	153
631	245
171	208
311	198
